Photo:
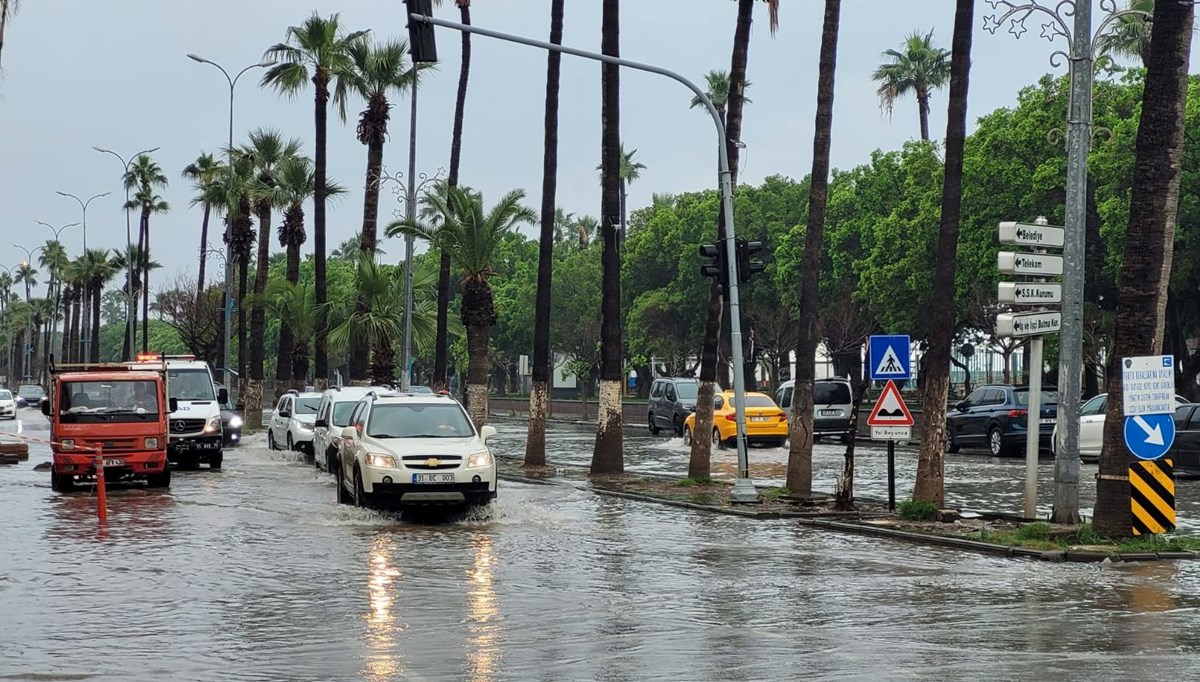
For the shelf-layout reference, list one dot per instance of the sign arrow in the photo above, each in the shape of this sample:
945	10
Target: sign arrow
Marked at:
1154	435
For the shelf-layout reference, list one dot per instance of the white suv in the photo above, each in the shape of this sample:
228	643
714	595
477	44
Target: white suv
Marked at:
333	415
410	450
293	421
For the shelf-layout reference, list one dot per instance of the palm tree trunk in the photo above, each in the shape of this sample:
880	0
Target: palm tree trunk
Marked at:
923	109
243	328
799	470
477	373
441	344
607	457
253	399
931	463
94	346
360	345
701	452
283	356
73	337
144	239
203	254
320	100
539	394
1149	243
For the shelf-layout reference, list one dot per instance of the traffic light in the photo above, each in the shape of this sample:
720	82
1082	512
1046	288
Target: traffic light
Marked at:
745	265
719	267
422	45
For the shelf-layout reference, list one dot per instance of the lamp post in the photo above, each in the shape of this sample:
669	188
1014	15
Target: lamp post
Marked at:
28	263
4	306
1070	20
128	246
55	286
84	334
229	256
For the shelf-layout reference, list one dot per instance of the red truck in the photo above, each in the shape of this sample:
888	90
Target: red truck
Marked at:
116	407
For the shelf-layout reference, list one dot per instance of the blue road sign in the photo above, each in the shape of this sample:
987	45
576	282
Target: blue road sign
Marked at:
1149	436
890	358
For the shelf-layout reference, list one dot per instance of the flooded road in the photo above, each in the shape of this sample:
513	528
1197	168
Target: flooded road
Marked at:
254	573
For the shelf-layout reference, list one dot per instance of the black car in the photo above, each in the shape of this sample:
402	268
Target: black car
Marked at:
29	394
996	417
1185	451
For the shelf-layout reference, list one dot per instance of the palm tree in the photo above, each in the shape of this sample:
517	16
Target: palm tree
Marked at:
268	150
920	69
99	267
606	455
718	91
799	471
144	175
7	9
41	309
140	263
699	460
442	342
1130	36
931	461
296	308
472	236
552	218
54	258
317	50
1146	266
202	172
28	276
379	69
72	297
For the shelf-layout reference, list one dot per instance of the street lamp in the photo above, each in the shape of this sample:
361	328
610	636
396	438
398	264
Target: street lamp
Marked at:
57	288
229	256
84	333
28	365
128	246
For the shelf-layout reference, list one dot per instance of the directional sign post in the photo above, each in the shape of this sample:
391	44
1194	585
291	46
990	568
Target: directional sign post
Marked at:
890	421
1039	264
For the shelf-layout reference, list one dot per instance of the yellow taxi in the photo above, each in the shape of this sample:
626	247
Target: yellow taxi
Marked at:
765	422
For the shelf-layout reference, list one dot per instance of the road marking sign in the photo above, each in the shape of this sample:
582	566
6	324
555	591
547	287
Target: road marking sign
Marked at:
1024	234
1149	436
1028	324
1029	293
1152	497
1010	263
1149	384
891	433
890	358
890	409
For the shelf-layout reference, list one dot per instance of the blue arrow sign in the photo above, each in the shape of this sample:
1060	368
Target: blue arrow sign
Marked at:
1149	436
890	358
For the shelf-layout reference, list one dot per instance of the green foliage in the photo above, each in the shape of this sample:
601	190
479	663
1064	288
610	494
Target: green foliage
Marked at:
916	510
1038	530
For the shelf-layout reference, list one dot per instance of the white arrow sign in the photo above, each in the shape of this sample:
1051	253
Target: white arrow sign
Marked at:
1154	435
1029	293
1029	263
1024	234
1028	324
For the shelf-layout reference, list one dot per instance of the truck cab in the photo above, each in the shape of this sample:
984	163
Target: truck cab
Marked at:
194	425
116	409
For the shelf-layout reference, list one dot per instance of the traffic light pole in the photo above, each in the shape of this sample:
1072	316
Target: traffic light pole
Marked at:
743	489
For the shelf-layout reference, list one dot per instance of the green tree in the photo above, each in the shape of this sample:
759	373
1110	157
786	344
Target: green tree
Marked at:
1130	36
919	68
144	177
718	83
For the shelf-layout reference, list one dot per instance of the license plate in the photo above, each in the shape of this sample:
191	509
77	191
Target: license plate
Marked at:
831	413
114	463
1051	420
433	478
760	419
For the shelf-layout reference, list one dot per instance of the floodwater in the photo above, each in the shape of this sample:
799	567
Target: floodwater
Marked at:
255	573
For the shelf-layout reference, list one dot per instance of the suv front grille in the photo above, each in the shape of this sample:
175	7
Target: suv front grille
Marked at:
426	463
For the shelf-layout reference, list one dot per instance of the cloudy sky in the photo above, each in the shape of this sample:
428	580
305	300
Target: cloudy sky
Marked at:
80	73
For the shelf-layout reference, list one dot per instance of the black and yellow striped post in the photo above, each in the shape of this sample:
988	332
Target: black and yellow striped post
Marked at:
1152	496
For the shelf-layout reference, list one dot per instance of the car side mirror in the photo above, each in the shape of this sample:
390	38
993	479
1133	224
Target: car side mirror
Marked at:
487	432
223	395
285	413
172	404
45	407
321	423
349	433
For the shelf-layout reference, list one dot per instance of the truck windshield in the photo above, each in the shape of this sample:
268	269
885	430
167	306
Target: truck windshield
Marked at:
190	384
108	401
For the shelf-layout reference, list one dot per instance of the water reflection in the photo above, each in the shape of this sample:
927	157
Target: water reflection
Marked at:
382	661
484	621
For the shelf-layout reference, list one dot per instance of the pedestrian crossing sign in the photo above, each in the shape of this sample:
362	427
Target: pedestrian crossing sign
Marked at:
890	358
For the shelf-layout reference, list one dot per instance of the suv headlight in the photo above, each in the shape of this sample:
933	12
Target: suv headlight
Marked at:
479	459
235	422
213	424
381	461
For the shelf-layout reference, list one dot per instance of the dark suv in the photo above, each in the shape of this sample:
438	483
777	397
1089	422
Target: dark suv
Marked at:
671	401
996	417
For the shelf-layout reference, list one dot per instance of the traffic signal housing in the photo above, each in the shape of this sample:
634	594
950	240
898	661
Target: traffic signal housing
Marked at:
718	267
746	265
422	45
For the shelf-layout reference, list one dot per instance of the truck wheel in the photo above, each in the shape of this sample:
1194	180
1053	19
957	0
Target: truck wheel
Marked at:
162	480
214	461
62	483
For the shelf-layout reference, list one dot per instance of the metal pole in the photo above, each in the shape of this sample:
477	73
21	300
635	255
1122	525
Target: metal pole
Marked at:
1033	426
84	334
410	208
1079	139
743	489
891	464
56	289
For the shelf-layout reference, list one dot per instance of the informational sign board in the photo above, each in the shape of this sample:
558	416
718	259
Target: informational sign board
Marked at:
900	433
1029	293
1028	324
1025	234
1039	264
890	358
1148	384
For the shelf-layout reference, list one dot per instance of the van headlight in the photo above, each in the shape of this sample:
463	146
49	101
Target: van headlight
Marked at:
304	426
235	422
381	461
480	459
213	424
151	443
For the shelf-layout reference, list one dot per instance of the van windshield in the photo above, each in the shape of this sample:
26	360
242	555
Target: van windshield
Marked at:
108	401
190	384
687	391
831	393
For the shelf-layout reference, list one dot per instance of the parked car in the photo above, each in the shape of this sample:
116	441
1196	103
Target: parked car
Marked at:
420	390
8	404
406	450
1091	427
996	417
1185	451
29	394
293	421
671	401
333	415
231	421
765	422
833	405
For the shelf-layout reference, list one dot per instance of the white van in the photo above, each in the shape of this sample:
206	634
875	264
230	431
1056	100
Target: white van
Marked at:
833	403
195	428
